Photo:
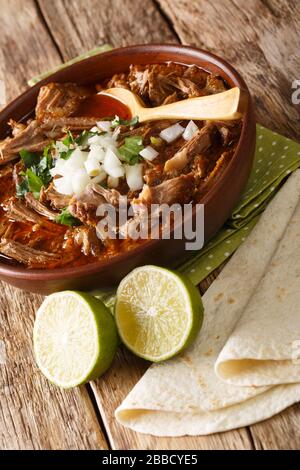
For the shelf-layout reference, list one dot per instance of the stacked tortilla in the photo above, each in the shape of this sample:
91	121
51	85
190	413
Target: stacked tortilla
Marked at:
244	366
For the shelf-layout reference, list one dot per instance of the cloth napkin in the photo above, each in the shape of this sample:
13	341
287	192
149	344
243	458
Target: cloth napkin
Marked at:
275	158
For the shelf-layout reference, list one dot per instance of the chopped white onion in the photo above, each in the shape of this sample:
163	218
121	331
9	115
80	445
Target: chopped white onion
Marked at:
80	180
112	164
112	182
134	176
116	133
190	130
171	133
92	166
96	152
96	164
95	139
58	169
75	161
104	141
101	177
63	185
149	153
104	126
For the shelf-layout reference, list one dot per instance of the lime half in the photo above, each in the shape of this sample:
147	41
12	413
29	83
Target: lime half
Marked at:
158	312
75	338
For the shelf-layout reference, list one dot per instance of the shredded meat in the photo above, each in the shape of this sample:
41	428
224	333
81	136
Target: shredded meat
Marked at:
87	239
27	255
198	144
85	206
16	127
39	207
16	210
171	98
18	167
58	100
182	172
111	196
214	85
119	80
33	138
178	189
153	83
214	174
54	198
165	83
54	113
188	88
6	171
229	131
196	75
73	123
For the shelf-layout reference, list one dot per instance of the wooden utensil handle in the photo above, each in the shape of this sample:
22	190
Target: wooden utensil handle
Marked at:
224	106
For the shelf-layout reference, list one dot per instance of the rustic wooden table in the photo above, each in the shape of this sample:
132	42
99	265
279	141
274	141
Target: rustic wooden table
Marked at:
260	38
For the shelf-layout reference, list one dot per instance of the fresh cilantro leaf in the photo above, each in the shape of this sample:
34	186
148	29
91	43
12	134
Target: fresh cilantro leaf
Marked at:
29	158
66	218
131	148
43	169
83	138
35	183
69	139
47	149
68	142
124	122
66	155
37	173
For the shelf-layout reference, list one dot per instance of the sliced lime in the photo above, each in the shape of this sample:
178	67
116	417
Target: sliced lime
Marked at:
75	338
158	312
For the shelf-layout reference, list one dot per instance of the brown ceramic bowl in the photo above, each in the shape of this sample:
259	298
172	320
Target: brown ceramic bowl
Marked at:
219	201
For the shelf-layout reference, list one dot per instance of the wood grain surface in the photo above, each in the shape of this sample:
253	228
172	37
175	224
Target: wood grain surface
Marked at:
33	413
77	26
260	38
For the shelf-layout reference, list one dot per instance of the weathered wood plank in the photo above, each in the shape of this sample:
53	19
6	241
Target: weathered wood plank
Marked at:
26	48
78	26
260	38
282	432
33	413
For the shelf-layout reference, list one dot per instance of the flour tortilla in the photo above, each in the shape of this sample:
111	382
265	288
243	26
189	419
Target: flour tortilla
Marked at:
264	348
184	396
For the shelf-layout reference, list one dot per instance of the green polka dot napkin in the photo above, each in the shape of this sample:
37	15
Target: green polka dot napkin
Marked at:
275	158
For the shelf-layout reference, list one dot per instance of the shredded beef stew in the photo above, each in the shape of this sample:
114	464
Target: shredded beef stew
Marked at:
78	154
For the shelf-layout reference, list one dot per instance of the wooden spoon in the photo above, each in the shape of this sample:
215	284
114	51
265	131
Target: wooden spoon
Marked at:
227	105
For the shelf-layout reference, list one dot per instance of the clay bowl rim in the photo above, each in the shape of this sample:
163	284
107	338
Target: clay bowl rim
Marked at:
20	272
